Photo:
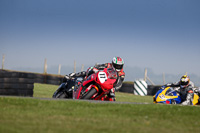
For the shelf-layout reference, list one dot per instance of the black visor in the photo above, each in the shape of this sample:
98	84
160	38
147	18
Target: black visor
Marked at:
184	83
117	66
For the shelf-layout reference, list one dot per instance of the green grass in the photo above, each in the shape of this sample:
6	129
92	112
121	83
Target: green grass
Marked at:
44	90
22	115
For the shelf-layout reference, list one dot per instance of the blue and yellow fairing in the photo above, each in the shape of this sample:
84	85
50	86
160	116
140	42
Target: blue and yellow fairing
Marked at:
162	97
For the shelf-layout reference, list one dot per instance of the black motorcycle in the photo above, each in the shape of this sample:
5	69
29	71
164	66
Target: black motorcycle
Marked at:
65	90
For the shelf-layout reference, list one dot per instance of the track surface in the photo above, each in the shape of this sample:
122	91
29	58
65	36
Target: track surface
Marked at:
92	101
95	101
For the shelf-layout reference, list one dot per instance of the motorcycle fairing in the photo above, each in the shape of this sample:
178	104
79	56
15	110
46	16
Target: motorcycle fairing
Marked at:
163	97
195	99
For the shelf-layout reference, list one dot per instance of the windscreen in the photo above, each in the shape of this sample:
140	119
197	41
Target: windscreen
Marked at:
112	74
170	92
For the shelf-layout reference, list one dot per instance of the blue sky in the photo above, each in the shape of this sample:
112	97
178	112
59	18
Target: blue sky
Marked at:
162	35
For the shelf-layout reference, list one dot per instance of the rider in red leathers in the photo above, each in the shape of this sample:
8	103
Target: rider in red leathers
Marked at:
117	64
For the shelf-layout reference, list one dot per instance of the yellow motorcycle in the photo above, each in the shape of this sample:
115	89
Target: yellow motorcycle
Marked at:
168	95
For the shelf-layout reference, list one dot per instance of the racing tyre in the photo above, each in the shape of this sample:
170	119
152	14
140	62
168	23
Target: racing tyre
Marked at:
89	94
173	101
61	95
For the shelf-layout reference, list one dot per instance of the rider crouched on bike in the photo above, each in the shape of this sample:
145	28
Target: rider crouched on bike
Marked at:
117	64
185	88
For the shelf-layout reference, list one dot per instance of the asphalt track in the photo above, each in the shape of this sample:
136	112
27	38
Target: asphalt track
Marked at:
92	101
95	101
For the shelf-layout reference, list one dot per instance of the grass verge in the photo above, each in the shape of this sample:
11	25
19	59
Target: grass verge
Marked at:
22	115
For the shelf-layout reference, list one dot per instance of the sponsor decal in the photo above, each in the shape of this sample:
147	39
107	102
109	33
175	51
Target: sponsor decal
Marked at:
190	91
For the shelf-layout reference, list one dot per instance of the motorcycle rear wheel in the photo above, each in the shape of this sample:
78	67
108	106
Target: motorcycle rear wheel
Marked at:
89	94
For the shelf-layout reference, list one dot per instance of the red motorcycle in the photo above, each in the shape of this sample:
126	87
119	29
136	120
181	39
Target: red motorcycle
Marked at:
97	85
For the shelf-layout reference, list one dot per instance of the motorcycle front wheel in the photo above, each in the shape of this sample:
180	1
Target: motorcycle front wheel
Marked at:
89	94
61	95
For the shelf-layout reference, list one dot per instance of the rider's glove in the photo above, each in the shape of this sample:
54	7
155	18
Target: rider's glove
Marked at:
71	75
162	87
177	88
95	70
169	84
197	90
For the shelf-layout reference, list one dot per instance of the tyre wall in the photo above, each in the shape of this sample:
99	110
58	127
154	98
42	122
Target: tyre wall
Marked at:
32	77
16	83
152	89
22	83
48	79
129	88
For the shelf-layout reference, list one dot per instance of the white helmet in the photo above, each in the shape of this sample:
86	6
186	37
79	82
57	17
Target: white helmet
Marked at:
117	63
